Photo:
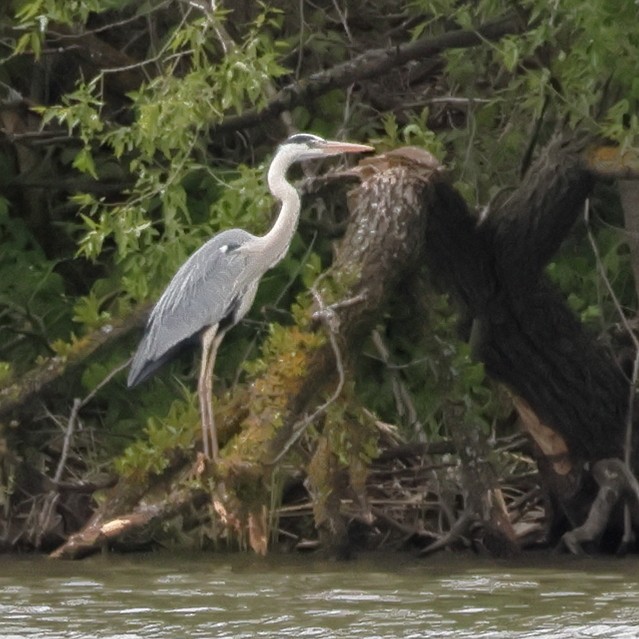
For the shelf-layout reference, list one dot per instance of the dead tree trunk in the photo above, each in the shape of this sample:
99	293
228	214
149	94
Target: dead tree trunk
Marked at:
571	394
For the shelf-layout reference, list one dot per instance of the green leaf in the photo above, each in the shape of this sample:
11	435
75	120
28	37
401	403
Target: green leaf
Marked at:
84	162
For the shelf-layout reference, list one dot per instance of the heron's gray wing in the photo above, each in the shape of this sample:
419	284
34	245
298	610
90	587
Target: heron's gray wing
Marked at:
207	289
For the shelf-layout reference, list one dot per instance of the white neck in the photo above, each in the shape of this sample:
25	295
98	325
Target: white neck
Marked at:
275	243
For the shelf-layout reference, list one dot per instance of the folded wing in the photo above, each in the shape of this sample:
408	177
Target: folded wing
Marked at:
208	289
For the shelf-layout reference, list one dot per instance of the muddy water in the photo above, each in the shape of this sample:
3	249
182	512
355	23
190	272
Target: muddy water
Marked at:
167	596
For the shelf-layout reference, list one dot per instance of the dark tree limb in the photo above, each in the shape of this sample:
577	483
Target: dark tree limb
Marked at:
522	328
571	394
370	64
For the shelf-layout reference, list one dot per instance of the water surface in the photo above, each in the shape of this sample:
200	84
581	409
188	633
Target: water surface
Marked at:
240	596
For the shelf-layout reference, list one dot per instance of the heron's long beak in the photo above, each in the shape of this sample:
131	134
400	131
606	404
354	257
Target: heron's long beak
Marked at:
332	147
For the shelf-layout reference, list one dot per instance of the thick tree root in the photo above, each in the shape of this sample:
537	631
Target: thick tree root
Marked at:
616	482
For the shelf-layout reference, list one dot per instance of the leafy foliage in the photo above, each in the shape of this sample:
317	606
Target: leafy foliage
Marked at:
427	373
164	437
112	172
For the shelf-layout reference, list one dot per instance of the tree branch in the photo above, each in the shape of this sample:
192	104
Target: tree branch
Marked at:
15	396
368	65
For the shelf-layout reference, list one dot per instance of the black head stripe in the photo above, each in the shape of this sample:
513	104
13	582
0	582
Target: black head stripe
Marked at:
303	138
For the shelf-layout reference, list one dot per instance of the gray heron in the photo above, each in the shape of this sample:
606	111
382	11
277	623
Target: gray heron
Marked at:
216	286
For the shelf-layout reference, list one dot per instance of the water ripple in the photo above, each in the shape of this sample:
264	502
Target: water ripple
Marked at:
243	598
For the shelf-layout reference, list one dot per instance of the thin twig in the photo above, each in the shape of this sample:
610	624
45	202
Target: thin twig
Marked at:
627	327
403	400
300	49
106	27
343	19
457	530
142	64
105	381
329	318
73	419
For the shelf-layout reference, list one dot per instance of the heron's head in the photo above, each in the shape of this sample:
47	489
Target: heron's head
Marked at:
304	146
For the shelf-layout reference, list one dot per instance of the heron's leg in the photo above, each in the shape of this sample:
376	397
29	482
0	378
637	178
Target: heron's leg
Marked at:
211	339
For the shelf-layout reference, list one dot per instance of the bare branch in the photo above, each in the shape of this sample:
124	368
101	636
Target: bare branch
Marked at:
627	327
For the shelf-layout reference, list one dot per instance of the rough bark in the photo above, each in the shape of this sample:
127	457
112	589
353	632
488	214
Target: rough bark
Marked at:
571	394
